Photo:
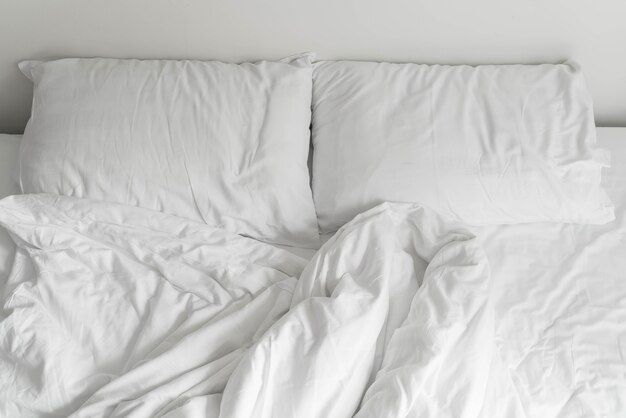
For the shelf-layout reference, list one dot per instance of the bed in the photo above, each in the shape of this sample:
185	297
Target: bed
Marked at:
113	309
559	301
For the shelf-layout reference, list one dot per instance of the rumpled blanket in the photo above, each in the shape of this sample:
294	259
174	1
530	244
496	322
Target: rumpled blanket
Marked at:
117	311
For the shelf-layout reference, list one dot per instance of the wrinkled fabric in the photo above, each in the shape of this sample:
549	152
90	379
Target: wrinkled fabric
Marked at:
558	292
114	310
225	144
560	301
490	144
150	309
391	315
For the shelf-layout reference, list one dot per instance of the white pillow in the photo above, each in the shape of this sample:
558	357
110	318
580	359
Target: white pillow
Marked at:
223	143
484	145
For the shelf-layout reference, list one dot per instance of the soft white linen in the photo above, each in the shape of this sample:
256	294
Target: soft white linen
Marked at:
559	295
222	143
560	303
369	310
126	312
556	348
104	294
486	145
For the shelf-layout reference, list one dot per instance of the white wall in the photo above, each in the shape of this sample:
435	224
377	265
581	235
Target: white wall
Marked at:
430	31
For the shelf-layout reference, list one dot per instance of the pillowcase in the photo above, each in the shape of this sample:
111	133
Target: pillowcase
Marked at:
225	144
492	144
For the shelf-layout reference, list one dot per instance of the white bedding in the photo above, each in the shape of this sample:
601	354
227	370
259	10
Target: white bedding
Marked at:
127	314
225	144
117	311
560	303
486	144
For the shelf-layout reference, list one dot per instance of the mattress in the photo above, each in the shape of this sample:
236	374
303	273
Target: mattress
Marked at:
559	293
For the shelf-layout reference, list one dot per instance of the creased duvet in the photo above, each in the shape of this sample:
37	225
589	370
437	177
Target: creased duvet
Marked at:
115	311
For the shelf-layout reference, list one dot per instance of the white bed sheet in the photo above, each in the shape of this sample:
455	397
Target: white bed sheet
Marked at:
560	300
559	292
559	295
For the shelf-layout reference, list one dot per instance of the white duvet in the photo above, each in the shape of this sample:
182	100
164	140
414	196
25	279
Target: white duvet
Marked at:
114	310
